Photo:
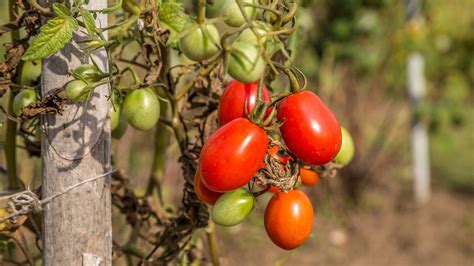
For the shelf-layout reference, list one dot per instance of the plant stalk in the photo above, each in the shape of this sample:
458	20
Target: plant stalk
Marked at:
10	136
212	242
201	14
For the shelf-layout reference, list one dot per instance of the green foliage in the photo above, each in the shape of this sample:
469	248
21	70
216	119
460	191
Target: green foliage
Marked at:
173	18
61	10
53	36
451	153
89	21
112	8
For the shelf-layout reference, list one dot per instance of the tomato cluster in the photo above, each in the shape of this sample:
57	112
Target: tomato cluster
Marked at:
140	107
236	151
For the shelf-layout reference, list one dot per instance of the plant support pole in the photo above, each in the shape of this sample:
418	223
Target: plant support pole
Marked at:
75	146
419	134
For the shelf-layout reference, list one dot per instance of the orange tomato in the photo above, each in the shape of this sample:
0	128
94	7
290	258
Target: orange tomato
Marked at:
308	177
289	218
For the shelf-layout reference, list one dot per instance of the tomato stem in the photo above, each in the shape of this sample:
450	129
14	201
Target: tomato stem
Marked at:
295	85
201	14
261	192
10	134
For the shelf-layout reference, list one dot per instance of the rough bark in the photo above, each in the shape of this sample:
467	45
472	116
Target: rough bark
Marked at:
77	226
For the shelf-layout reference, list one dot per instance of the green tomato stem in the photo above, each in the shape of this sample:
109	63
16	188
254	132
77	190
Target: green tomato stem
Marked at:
261	192
10	136
212	242
201	14
291	14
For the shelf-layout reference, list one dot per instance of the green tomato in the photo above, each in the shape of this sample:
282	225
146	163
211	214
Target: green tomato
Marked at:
201	43
22	99
88	72
115	110
142	109
248	36
233	15
233	207
121	128
346	153
29	72
77	90
246	64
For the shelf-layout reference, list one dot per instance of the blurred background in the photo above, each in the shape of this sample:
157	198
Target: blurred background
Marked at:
354	54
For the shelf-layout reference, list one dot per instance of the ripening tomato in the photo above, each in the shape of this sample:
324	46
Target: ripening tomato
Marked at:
289	218
206	195
310	129
346	153
232	102
308	177
233	207
232	155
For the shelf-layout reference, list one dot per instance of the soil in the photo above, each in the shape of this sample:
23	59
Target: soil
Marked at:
386	228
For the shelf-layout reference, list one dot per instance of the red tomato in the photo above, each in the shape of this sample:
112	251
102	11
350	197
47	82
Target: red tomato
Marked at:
308	177
310	129
206	195
233	155
289	219
232	102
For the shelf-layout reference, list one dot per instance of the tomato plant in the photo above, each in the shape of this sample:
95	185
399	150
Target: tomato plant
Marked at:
236	96
289	219
149	83
233	207
232	155
310	129
142	108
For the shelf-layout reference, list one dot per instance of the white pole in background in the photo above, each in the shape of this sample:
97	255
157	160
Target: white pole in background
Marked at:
419	134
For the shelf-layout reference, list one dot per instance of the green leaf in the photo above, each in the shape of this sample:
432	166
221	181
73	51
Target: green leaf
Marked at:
89	21
61	10
112	8
56	33
173	18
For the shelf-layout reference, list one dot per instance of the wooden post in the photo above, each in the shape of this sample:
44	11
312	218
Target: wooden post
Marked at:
419	135
77	227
